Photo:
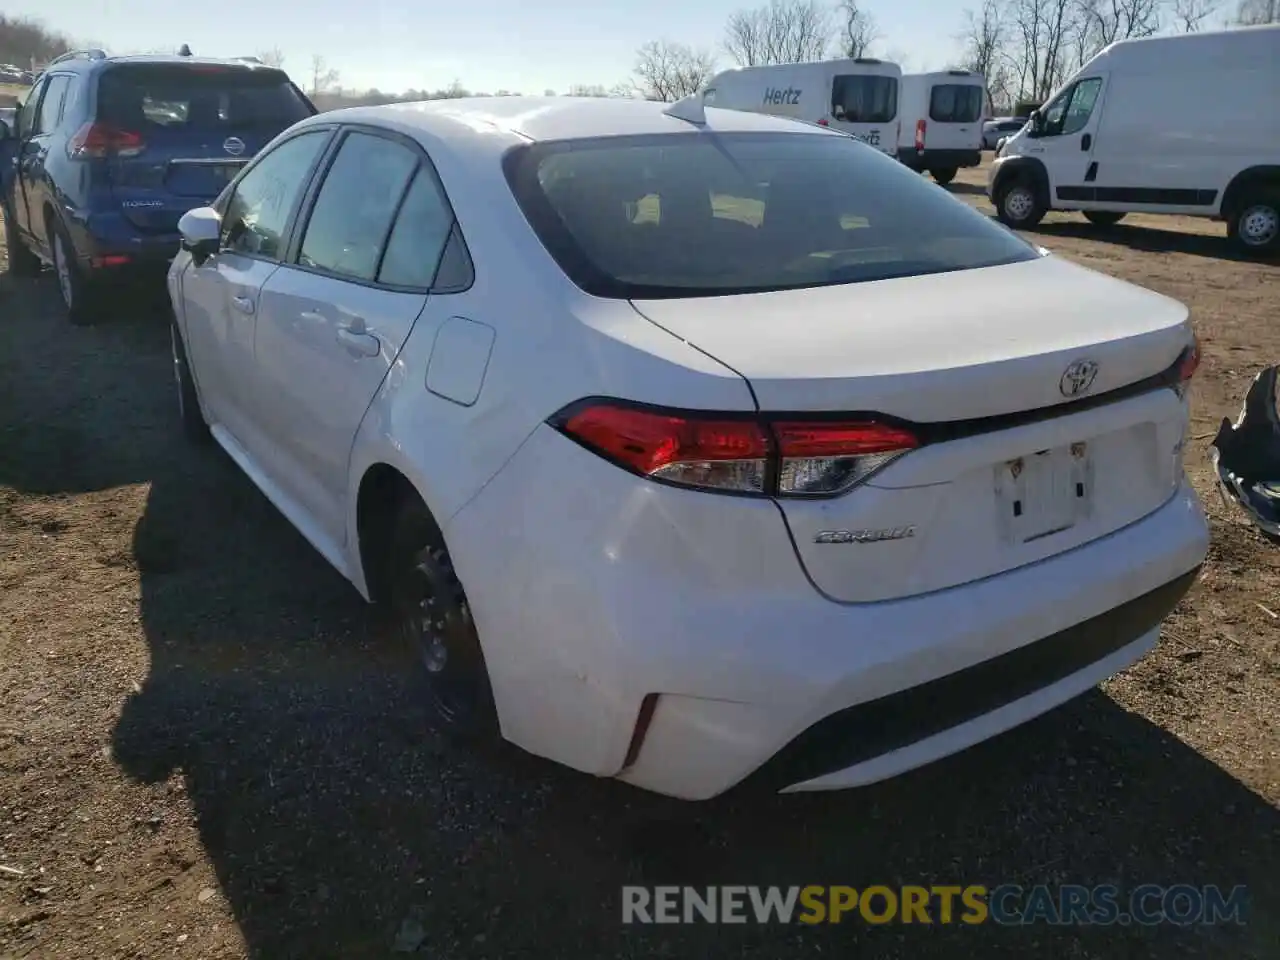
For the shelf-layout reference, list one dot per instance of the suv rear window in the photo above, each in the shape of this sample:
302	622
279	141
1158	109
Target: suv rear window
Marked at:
199	98
693	214
863	98
955	103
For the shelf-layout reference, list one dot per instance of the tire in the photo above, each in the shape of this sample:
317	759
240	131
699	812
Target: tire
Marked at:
78	295
1103	218
1254	226
22	262
194	426
944	175
1018	206
433	623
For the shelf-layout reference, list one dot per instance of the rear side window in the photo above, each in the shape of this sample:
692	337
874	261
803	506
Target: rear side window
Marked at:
683	215
421	230
955	103
861	98
199	98
51	107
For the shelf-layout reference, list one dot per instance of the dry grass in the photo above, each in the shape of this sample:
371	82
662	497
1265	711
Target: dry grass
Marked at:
206	748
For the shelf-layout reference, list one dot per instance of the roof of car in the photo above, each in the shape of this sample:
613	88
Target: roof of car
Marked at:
556	118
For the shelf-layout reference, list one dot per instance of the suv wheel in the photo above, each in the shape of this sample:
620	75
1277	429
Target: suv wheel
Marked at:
433	622
193	423
1018	206
1255	226
77	294
22	262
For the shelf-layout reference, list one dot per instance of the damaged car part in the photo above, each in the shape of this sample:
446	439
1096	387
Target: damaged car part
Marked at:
1246	454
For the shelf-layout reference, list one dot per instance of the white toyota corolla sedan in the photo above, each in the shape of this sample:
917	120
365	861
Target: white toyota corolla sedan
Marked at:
684	444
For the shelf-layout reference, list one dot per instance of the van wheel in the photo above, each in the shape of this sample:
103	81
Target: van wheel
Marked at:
433	621
1255	226
1018	206
944	175
1103	218
22	262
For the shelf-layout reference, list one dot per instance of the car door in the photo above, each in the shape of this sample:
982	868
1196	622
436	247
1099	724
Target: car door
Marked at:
333	320
25	120
35	150
220	296
1064	141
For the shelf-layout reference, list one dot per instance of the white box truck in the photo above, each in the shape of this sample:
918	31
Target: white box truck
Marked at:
859	97
940	121
1186	124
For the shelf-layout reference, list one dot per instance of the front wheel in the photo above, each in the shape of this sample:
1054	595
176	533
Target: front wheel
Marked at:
1103	218
1255	228
1018	206
433	621
944	175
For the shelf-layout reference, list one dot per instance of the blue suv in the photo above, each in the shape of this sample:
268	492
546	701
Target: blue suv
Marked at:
106	153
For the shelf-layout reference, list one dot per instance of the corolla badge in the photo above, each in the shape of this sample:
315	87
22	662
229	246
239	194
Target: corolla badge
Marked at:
233	146
1078	377
865	536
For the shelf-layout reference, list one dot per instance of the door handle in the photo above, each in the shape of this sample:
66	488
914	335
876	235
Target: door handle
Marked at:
358	341
311	316
243	304
1086	141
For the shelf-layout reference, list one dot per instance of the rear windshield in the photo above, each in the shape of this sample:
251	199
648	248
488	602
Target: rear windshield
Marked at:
860	98
199	98
955	103
693	214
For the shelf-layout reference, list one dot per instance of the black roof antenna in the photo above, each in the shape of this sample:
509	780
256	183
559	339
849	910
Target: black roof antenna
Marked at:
184	50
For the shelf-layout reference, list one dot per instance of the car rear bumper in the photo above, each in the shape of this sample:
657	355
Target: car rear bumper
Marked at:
107	242
939	159
670	638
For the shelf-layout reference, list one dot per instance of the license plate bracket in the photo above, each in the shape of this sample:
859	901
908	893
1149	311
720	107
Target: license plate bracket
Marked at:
1044	493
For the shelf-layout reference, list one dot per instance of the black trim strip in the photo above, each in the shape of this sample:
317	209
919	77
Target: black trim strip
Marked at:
877	727
1153	196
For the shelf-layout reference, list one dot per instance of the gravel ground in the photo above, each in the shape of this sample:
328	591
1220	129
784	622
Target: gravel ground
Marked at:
206	748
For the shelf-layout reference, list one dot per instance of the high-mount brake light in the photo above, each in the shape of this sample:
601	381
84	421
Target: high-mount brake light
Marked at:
787	458
95	141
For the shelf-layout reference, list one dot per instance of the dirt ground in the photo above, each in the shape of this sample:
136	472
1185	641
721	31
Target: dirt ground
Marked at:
206	752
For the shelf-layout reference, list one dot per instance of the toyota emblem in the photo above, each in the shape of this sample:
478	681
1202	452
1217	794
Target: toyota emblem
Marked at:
1078	377
233	146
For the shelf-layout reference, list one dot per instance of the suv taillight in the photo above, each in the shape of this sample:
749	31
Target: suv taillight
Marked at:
733	453
95	141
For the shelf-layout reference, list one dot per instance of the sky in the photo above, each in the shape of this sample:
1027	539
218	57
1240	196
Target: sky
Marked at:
483	44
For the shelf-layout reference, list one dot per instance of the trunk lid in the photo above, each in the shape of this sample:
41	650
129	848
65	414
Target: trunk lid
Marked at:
1016	464
199	124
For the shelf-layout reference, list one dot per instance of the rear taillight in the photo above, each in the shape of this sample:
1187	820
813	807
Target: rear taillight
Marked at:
95	141
920	127
745	455
1188	364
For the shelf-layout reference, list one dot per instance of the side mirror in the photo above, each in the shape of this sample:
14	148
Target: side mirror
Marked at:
1037	123
201	229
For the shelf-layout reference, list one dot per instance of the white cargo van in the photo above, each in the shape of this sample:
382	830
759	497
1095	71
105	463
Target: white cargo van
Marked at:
1183	124
855	96
940	121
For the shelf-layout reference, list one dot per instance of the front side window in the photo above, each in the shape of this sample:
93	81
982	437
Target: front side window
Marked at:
1070	110
259	209
684	215
356	205
955	103
862	98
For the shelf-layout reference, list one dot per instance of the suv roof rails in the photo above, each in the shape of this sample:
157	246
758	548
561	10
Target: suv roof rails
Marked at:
248	59
92	53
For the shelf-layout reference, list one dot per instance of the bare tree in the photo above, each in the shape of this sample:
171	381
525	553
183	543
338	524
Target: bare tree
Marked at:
1189	15
668	71
782	31
272	58
984	40
1252	13
323	77
1043	34
857	29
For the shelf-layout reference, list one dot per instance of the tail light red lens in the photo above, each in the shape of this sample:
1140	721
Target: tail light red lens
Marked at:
95	141
1188	364
795	458
920	128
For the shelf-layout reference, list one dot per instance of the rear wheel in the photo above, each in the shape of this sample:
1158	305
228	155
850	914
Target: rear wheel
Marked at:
77	293
1255	226
1017	205
944	175
433	621
22	262
1103	218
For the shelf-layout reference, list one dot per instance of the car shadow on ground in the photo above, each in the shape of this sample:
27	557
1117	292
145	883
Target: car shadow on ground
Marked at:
1149	239
967	189
339	826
